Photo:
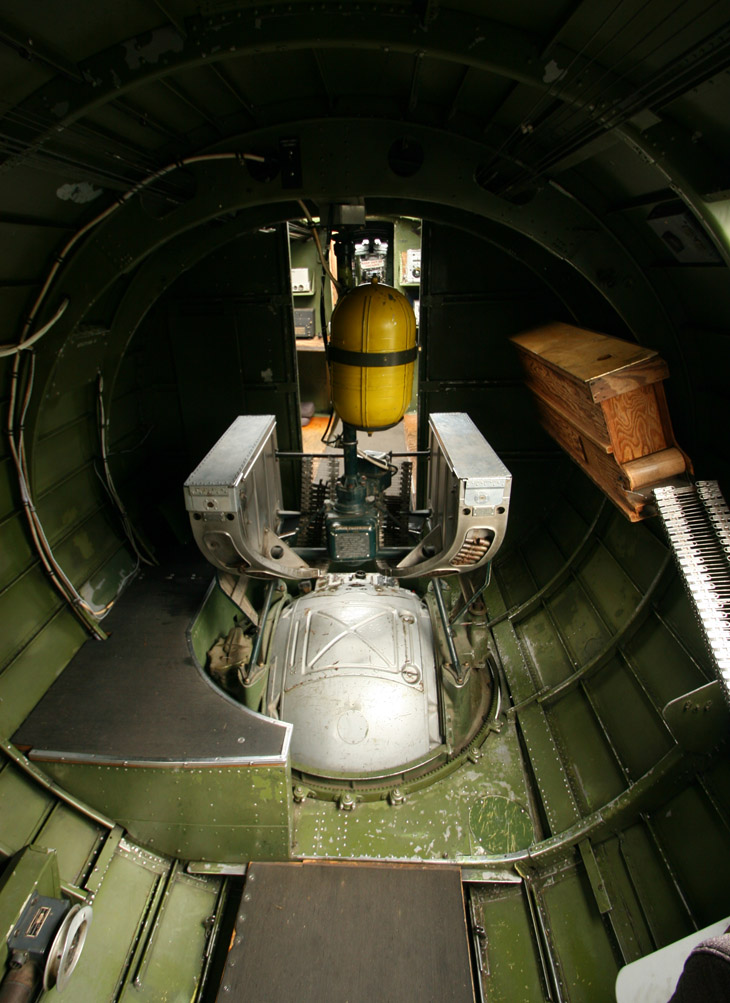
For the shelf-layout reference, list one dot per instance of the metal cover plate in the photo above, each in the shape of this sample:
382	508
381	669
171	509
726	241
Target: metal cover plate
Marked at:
353	670
467	451
324	933
232	455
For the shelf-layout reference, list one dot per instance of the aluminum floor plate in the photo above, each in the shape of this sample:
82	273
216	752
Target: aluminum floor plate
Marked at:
349	933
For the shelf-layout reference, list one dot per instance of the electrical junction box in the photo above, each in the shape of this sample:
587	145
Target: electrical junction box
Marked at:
38	925
301	281
682	234
304	323
411	266
351	537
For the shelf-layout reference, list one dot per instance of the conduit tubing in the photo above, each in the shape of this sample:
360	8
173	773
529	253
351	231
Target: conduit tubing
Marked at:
255	651
12	350
15	430
455	663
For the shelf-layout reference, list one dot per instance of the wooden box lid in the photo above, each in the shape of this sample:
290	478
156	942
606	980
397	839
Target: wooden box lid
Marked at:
606	366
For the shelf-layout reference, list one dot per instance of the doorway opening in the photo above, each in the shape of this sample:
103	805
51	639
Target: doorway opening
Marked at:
387	249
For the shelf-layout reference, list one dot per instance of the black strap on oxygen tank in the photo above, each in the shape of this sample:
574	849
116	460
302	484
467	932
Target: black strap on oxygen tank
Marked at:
374	359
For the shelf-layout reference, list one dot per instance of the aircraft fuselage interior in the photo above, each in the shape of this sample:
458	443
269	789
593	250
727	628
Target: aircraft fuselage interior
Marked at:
364	551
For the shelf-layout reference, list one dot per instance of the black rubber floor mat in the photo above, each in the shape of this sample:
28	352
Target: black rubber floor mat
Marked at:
349	933
139	695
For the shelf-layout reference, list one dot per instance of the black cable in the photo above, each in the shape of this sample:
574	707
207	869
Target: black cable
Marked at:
586	96
330	427
609	74
554	93
323	312
641	98
611	112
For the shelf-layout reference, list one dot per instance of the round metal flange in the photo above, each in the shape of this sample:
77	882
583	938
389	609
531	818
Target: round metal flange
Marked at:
67	947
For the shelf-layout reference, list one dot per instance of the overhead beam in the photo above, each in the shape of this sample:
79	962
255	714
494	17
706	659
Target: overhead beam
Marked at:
182	95
144	118
223	78
415	81
449	35
31	47
558	223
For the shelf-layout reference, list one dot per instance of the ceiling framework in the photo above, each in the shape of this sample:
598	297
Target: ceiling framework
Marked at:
545	100
559	125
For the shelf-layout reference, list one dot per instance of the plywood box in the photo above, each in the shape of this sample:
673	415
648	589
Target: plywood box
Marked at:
602	400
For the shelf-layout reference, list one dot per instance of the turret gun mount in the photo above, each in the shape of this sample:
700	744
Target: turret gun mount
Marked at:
234	499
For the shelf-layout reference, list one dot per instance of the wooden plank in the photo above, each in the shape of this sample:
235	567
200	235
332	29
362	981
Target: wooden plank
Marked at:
564	433
569	398
608	475
602	400
600	466
634	424
611	366
644	373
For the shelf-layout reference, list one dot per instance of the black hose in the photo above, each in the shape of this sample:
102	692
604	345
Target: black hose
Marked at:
19	983
255	651
439	597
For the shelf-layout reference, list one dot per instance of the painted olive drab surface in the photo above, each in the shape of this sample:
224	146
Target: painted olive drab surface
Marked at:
569	162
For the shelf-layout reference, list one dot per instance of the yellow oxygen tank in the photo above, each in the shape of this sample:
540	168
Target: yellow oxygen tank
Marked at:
372	353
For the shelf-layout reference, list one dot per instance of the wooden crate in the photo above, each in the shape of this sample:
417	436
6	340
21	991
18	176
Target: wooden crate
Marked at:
602	400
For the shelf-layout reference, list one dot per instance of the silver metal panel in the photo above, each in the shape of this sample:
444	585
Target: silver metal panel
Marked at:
469	454
233	455
352	668
468	493
234	498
